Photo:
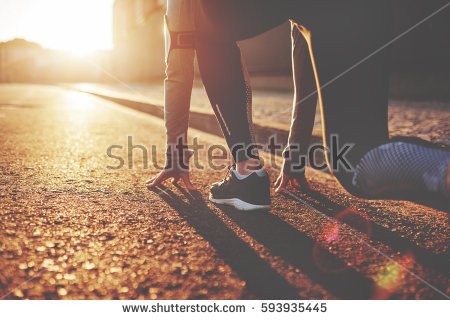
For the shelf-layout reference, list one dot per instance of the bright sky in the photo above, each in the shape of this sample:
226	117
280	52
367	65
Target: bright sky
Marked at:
72	25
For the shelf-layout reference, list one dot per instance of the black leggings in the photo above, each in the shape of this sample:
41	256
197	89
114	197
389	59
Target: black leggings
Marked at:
354	96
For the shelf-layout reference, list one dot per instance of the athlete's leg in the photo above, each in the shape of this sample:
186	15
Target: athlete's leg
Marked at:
353	74
224	77
403	166
246	186
222	69
353	90
354	100
234	20
348	44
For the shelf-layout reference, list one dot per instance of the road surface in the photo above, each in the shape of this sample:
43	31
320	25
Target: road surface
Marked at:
73	228
426	119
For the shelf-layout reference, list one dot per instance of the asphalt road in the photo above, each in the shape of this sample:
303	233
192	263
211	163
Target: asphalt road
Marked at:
73	228
426	119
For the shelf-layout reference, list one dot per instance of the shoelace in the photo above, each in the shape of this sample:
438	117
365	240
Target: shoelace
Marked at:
227	175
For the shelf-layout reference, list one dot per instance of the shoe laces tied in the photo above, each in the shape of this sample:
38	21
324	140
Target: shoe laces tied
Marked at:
227	175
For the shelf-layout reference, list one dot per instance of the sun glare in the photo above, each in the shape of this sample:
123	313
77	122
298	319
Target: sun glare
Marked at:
76	26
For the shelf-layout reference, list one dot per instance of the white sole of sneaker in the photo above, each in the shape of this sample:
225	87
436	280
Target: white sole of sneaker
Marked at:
239	204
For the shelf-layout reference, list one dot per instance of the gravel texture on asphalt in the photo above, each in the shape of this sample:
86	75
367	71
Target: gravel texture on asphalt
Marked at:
72	228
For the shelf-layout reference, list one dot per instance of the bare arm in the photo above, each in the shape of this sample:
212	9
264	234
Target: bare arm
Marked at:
303	113
177	93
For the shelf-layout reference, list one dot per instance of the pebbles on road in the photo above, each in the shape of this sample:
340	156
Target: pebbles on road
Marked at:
71	228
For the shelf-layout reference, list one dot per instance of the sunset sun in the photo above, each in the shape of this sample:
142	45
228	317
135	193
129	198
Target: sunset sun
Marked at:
76	26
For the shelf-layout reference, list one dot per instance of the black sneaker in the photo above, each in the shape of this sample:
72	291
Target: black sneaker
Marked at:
251	193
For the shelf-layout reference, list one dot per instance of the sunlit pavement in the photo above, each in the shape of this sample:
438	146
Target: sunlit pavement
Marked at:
73	228
426	119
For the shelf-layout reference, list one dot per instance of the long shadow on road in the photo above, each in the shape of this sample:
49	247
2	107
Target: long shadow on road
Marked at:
299	250
261	279
433	261
281	239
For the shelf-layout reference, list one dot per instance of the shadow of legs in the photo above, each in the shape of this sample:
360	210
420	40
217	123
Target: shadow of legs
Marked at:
425	257
296	248
262	281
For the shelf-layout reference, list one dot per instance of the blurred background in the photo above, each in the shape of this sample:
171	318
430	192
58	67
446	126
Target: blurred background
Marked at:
107	41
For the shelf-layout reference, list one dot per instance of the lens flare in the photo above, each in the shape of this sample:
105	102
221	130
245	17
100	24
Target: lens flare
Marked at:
332	233
392	276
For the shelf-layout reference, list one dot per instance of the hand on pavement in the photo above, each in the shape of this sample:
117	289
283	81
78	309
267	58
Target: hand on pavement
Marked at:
165	175
284	180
